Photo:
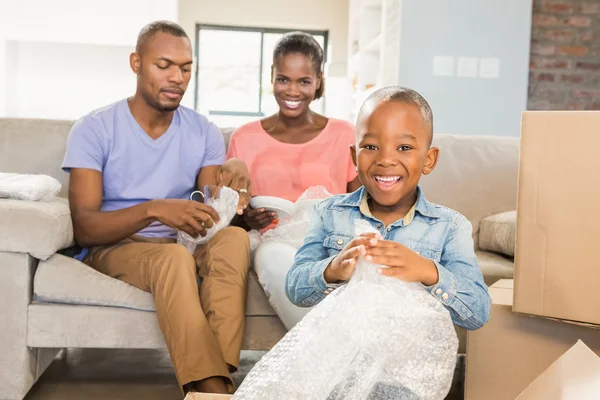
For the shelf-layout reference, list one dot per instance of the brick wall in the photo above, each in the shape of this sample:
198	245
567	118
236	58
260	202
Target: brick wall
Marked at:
565	55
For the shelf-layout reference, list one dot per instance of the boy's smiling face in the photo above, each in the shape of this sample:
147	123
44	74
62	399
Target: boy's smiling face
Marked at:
393	150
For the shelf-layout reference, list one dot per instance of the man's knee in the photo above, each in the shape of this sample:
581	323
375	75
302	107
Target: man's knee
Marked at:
232	244
176	260
233	236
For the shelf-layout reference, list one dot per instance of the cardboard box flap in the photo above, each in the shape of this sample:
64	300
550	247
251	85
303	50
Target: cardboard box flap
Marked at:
501	292
574	376
207	396
504	284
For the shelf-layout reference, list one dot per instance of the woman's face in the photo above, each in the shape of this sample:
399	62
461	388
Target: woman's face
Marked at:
295	83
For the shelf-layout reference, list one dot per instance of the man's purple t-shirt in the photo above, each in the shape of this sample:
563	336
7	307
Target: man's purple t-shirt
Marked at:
137	168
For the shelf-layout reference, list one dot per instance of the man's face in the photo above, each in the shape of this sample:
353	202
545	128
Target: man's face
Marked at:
393	151
164	69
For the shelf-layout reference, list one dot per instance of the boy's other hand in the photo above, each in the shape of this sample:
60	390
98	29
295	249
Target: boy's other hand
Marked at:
343	265
402	263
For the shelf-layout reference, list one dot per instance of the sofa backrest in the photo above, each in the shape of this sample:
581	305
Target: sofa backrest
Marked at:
476	175
37	146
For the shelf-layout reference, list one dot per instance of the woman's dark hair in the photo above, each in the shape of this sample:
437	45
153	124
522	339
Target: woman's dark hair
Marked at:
305	44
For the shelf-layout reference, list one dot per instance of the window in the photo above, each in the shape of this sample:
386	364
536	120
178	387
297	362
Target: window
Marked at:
233	72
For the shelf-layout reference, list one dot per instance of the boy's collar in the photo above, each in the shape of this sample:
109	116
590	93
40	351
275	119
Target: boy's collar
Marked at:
422	206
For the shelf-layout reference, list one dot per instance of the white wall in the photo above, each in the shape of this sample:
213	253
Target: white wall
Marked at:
331	15
60	57
83	78
114	22
45	44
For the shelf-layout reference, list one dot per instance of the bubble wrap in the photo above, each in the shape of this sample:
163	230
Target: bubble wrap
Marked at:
226	206
376	338
293	230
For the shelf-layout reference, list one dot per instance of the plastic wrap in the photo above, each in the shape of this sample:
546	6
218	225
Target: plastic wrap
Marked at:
225	204
375	338
293	230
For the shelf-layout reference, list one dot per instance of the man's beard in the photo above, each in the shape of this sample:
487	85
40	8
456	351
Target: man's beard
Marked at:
164	108
156	104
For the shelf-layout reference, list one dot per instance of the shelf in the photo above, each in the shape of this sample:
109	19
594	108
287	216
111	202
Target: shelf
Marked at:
374	46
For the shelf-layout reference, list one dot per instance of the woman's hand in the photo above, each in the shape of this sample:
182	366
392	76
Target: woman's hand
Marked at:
259	218
234	174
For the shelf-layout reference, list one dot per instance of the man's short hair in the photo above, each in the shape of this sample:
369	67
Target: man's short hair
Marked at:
153	28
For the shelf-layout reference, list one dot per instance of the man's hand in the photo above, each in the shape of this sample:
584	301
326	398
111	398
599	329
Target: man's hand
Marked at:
259	218
234	174
343	265
184	215
402	263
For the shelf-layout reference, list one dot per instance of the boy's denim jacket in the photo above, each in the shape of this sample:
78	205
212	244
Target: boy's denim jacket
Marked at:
435	232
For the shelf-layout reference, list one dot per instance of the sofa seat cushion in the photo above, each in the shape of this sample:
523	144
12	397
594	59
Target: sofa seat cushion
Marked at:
497	233
494	267
65	280
39	228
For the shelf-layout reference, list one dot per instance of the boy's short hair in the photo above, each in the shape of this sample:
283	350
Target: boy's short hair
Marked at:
399	94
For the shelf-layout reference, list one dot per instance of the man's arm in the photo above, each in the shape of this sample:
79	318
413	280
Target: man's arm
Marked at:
93	227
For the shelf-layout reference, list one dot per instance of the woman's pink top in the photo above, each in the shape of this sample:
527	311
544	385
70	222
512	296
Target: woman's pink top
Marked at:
287	170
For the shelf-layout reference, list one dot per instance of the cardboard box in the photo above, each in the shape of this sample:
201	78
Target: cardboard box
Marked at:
512	350
575	375
207	396
557	257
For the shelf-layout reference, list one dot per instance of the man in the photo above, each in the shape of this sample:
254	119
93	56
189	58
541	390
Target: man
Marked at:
133	166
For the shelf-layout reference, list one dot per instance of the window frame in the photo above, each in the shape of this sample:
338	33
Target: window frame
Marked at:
262	31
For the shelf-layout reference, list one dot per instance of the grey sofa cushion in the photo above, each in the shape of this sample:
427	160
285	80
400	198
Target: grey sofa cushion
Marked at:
65	280
497	233
494	267
39	228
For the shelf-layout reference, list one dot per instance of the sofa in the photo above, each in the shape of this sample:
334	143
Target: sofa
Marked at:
49	301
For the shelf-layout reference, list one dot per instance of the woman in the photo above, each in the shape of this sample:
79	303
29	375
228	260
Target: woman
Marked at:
290	152
295	148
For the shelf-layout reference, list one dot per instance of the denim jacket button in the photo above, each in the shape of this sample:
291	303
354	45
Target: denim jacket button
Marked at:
379	226
438	291
326	291
445	296
340	241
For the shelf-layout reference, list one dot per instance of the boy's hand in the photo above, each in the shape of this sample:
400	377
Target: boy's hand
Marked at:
342	266
402	263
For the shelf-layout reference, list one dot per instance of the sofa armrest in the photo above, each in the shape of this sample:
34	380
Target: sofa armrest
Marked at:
35	227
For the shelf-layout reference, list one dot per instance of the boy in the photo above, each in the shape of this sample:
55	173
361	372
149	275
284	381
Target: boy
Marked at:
418	241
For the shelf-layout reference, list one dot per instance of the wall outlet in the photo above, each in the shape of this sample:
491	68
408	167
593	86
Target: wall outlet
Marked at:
466	67
443	66
489	68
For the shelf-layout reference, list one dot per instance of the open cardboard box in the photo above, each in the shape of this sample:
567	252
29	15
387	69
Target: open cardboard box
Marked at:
513	350
207	396
575	375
